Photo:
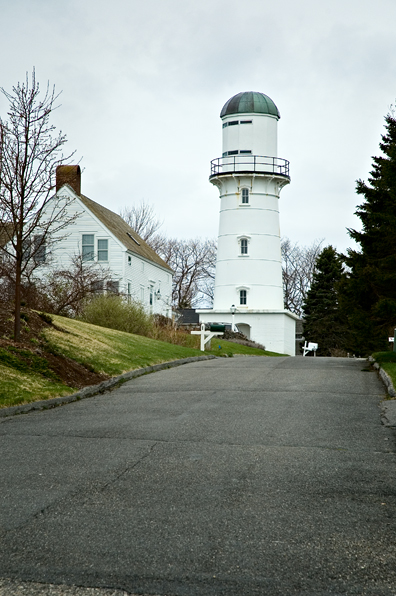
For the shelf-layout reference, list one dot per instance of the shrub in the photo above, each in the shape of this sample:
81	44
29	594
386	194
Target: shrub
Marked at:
114	312
175	336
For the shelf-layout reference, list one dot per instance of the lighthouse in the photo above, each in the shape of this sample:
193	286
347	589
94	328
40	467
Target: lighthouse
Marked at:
250	176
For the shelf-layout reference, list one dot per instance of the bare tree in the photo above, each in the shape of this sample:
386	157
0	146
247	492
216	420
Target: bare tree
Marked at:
193	264
298	268
207	284
142	219
29	154
67	290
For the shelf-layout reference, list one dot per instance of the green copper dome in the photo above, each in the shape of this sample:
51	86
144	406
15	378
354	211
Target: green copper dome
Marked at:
250	102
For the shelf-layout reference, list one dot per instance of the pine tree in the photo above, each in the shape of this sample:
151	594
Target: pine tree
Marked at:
369	291
323	323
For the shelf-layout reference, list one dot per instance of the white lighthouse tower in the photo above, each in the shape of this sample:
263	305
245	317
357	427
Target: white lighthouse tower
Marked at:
250	176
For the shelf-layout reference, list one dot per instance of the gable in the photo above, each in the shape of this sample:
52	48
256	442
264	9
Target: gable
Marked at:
122	231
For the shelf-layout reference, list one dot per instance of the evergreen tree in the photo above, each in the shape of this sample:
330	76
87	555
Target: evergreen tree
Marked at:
368	293
323	321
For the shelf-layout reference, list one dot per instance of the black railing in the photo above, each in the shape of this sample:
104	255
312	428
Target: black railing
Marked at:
249	163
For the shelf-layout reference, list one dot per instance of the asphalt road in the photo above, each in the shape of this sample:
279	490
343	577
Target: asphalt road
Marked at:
240	476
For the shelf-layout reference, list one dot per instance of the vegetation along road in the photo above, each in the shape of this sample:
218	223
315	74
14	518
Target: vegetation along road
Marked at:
237	476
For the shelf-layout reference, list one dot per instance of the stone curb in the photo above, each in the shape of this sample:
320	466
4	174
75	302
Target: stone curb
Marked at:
388	406
95	389
385	378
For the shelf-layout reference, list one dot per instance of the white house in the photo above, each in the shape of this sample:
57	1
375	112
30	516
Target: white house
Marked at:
104	238
250	176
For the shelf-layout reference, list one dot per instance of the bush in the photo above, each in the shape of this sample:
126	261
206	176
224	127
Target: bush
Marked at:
115	313
175	336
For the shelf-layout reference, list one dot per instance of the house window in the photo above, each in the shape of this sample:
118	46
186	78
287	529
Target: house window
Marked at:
129	260
244	246
39	249
245	196
113	286
129	291
88	247
243	297
141	293
151	299
26	249
103	250
97	287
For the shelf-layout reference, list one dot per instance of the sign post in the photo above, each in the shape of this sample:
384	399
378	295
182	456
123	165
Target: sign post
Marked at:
205	335
311	347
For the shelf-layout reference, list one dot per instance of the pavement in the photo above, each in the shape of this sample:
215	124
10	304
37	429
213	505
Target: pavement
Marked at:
239	476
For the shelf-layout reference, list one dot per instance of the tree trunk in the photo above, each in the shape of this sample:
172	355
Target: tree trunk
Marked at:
18	276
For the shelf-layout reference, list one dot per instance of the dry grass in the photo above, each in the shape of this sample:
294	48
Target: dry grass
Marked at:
18	387
108	350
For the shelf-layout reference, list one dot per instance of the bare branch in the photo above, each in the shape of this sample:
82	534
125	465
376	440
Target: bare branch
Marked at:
67	290
30	151
193	262
298	268
142	219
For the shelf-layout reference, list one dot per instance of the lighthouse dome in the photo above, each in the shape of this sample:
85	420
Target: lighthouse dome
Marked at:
250	102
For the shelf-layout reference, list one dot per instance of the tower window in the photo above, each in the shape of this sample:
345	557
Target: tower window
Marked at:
245	151
246	122
244	246
245	196
232	123
242	297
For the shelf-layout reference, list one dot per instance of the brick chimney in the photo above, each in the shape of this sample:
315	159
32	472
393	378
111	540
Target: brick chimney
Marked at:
69	175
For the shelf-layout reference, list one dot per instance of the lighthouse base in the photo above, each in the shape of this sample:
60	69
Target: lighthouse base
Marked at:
274	329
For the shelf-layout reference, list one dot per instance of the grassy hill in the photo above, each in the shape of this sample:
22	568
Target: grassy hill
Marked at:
57	358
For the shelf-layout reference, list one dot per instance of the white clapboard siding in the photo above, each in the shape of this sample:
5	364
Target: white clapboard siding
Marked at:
126	267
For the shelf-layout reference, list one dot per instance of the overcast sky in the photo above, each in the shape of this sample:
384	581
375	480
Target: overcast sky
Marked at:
144	82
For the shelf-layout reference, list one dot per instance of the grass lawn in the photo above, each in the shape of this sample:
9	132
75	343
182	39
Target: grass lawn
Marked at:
230	348
110	351
99	349
19	388
387	361
115	352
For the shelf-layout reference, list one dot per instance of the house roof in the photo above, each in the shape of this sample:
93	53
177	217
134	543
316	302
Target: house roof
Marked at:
123	232
188	316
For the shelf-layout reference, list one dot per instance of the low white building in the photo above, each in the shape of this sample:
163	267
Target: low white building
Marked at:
104	239
250	177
